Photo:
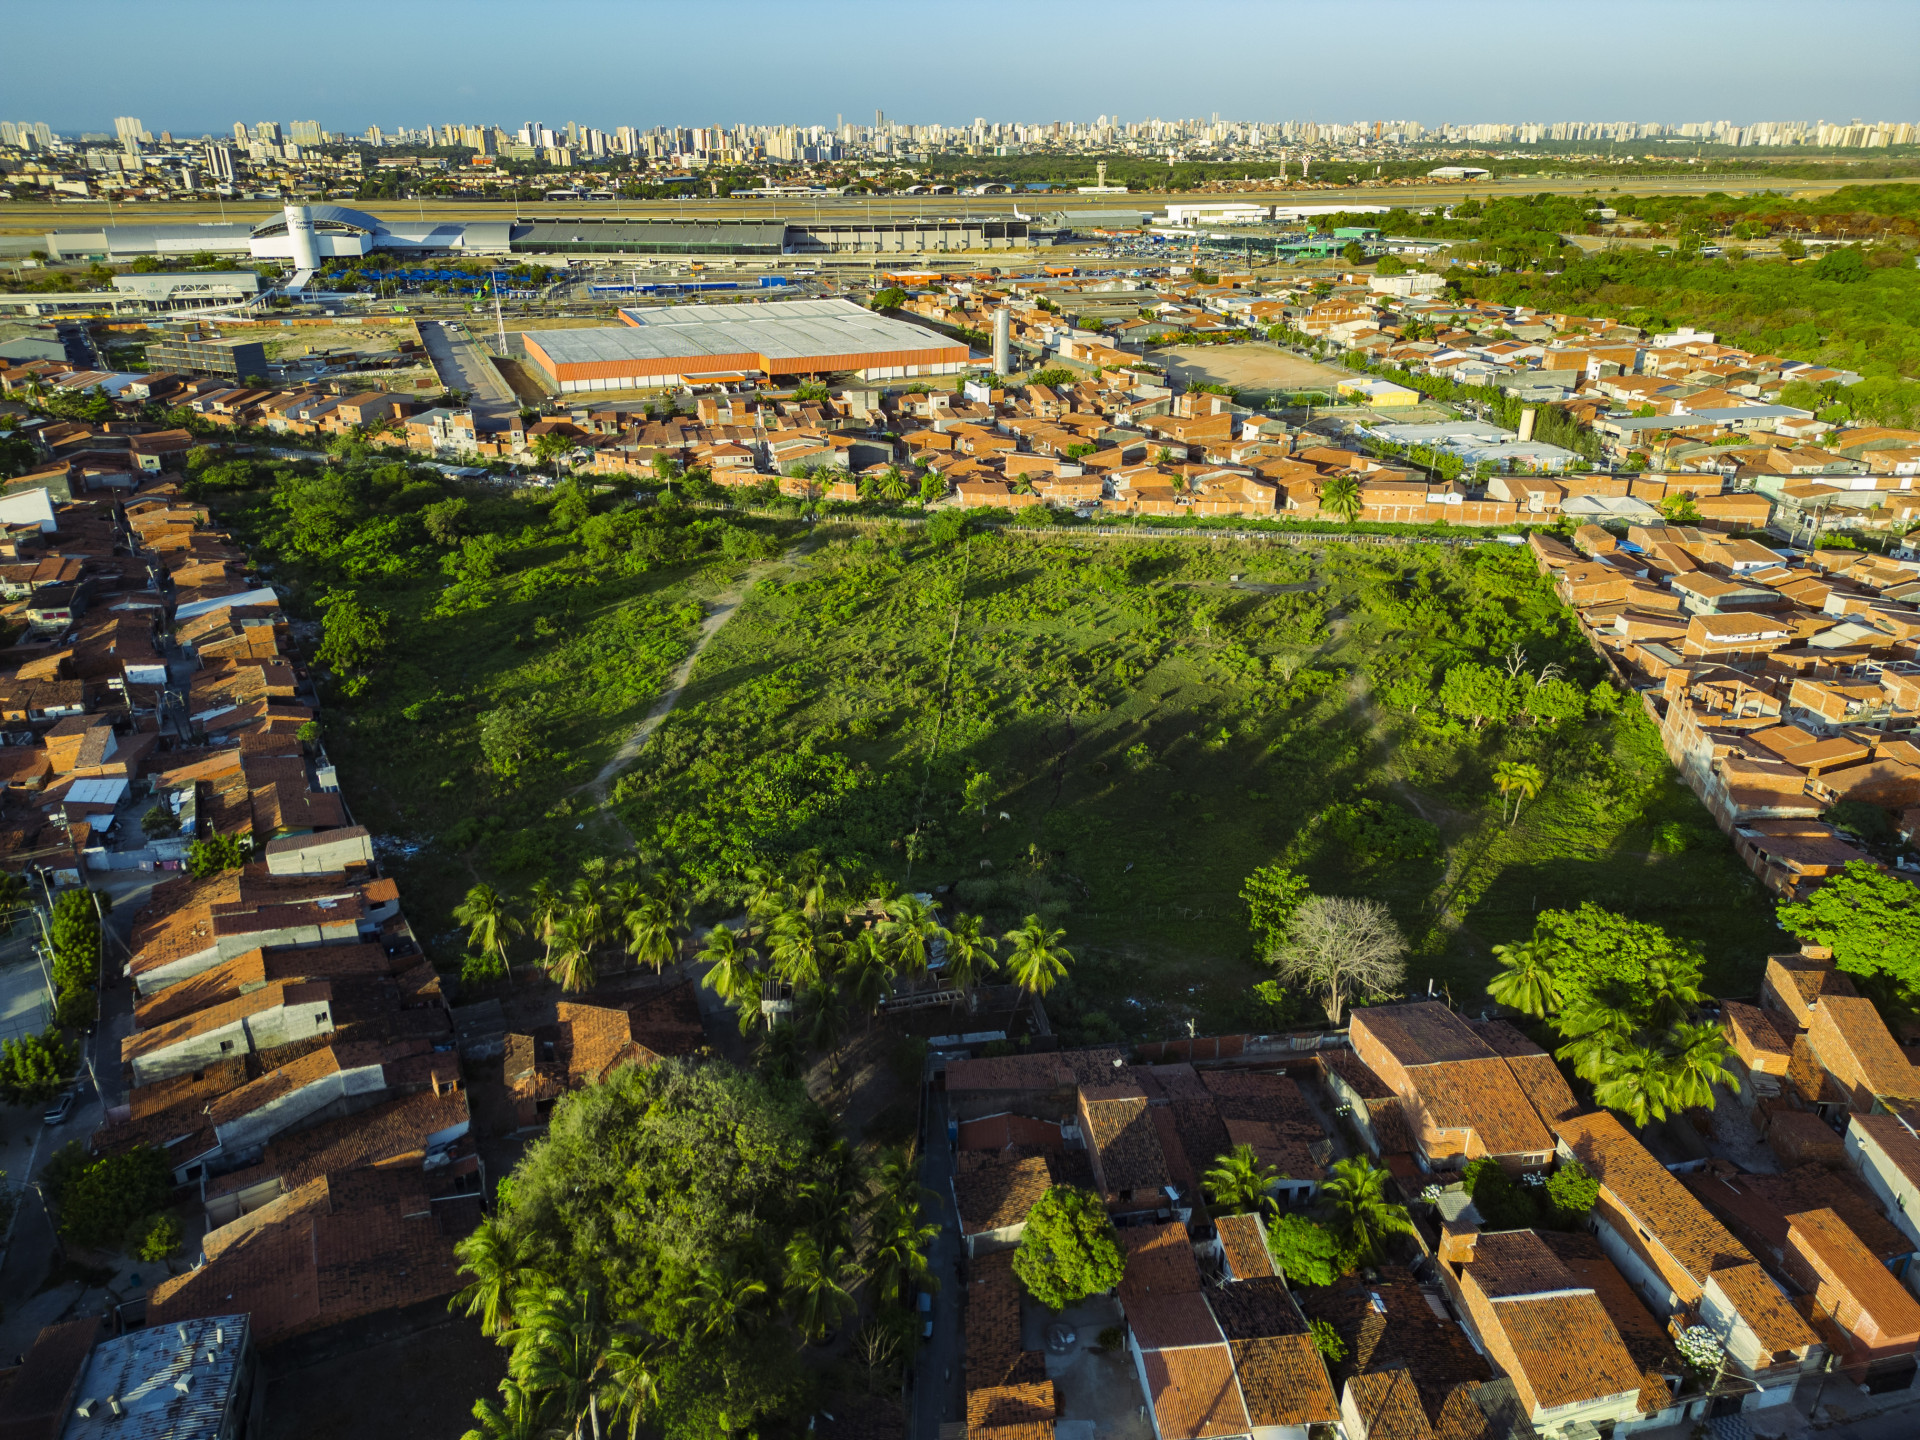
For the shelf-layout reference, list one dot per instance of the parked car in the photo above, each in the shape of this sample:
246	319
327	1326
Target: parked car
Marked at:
61	1108
925	1306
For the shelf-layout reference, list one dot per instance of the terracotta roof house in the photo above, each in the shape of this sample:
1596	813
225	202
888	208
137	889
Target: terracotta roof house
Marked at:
1283	1379
1044	1086
1006	1386
1549	1332
1383	1405
1460	1096
1884	1151
1129	1163
339	1248
1683	1260
1869	1318
992	1192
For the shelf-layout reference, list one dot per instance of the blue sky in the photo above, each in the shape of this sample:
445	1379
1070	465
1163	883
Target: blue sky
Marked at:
194	66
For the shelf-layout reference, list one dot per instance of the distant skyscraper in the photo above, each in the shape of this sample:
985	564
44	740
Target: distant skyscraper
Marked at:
267	130
240	134
220	162
307	132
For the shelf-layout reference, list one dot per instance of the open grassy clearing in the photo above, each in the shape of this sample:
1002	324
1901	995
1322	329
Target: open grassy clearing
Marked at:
1155	730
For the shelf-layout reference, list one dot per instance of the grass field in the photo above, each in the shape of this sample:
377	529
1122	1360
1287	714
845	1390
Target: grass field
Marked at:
1158	720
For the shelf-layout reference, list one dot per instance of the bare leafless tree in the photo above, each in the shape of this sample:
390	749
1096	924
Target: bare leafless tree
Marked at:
1340	947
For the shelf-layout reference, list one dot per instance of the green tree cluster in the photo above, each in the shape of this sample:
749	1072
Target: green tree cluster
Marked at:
35	1068
1625	997
660	1257
99	1201
75	932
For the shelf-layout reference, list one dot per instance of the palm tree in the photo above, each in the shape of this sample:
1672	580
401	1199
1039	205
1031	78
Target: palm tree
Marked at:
560	1350
1698	1063
819	1285
970	955
522	1416
1357	1190
1239	1182
817	883
898	1257
911	931
823	1021
722	1301
502	1262
570	963
732	973
800	955
1341	496
1526	982
867	973
896	1182
632	1387
1518	779
1596	1032
1672	990
488	922
1038	961
782	1053
544	904
1637	1083
652	934
891	485
552	446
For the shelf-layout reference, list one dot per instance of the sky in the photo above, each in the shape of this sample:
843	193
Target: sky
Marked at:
196	66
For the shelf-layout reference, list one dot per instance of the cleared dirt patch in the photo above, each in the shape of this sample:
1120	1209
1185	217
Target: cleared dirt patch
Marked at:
1253	366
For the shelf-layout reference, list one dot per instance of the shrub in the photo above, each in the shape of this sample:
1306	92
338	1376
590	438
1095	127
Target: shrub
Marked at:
216	853
35	1067
1572	1191
98	1200
1501	1203
1327	1341
1307	1252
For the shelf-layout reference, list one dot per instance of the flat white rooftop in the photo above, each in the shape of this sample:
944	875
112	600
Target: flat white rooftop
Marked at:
785	329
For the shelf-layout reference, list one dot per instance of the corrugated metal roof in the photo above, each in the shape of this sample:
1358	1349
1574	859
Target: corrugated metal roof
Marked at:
788	329
171	1382
99	791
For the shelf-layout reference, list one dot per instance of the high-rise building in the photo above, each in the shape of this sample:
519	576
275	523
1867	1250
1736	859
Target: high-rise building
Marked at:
220	162
307	132
240	132
267	130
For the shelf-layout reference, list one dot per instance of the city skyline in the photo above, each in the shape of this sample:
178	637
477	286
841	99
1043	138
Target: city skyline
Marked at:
653	67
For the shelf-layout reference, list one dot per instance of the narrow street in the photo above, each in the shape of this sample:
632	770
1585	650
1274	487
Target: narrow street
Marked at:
462	364
938	1387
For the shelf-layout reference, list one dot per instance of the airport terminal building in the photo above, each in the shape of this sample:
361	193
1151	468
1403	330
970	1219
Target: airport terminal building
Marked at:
309	235
701	345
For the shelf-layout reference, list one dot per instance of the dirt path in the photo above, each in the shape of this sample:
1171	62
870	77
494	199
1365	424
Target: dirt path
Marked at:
725	604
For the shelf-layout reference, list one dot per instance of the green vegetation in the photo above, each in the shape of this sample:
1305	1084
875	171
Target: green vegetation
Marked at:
103	1203
1625	997
216	853
1870	919
75	932
660	1257
1307	1252
35	1068
1067	1251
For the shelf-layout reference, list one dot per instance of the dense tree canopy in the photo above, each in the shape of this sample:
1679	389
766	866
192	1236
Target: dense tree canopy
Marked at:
1870	919
1068	1251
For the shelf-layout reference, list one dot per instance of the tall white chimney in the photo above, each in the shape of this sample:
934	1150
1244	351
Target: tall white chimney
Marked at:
306	245
1002	341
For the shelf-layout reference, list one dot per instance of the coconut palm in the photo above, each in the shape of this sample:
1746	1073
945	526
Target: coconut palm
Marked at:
911	932
1518	779
570	963
653	934
782	1053
1596	1032
867	974
1698	1063
1638	1083
898	1257
732	963
521	1415
1341	496
631	1391
554	447
801	955
503	1262
1526	982
824	1016
819	1285
544	904
489	921
723	1302
896	1182
970	955
560	1351
1357	1190
1672	989
1239	1182
890	485
817	884
1037	961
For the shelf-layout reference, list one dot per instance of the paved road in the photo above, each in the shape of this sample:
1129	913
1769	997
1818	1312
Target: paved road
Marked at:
937	1383
463	365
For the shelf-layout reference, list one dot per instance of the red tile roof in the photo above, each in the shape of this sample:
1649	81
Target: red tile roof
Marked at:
1244	1239
1194	1393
